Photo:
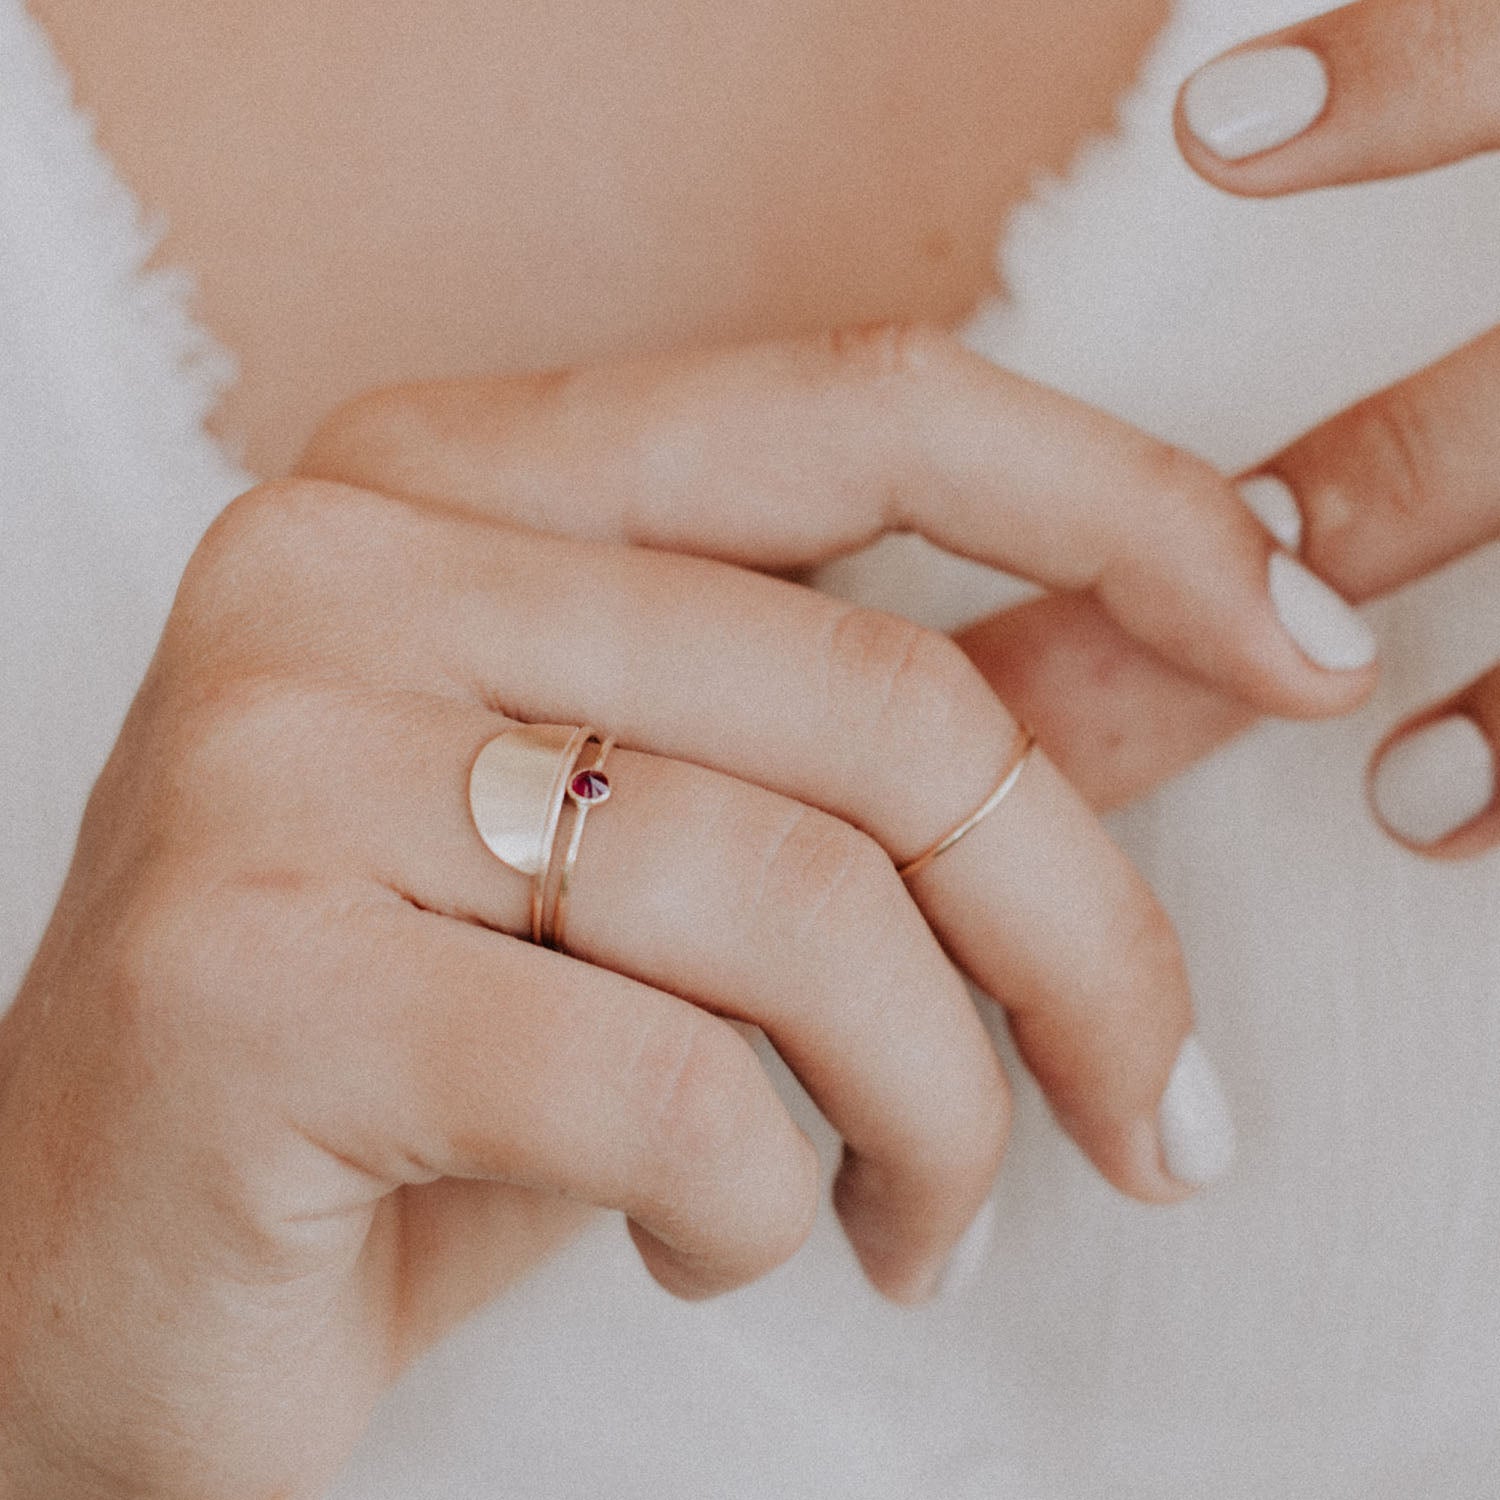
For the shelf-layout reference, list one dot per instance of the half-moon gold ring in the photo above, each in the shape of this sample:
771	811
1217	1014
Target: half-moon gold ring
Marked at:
518	786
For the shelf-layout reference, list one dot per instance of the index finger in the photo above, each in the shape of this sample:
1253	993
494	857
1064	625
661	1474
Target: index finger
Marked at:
1376	89
787	454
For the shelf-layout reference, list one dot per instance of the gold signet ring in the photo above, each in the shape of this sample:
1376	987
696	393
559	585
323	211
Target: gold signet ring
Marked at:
516	791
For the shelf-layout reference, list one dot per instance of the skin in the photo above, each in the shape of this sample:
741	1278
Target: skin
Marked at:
1404	481
312	1045
397	1152
1394	487
611	180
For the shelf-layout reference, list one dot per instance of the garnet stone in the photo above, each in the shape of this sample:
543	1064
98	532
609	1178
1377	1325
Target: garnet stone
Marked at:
588	787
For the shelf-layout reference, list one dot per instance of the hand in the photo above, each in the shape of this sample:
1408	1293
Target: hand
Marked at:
1393	488
1410	478
284	1097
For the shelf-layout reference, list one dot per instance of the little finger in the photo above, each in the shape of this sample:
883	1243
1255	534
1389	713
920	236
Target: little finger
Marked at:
471	1054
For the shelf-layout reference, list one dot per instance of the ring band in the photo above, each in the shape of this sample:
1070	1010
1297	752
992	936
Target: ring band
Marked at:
1025	744
586	788
517	788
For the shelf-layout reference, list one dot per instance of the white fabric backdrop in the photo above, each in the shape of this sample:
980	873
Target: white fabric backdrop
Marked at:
1323	1325
106	478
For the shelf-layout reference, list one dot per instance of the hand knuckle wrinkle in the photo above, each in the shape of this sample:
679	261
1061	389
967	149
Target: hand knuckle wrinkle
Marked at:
894	681
811	866
882	352
1397	431
689	1085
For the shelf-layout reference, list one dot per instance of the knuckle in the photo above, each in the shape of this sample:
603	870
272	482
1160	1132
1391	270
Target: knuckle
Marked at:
710	1143
234	740
1396	433
374	439
167	973
888	375
259	520
269	538
151	959
692	1084
215	965
281	566
893	679
816	864
223	745
882	352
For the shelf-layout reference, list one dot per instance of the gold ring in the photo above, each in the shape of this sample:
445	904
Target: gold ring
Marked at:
517	787
586	788
1025	744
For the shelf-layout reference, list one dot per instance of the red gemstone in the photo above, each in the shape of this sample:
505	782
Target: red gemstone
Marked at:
589	786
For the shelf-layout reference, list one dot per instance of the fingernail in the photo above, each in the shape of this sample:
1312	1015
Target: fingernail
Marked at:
1197	1135
1273	504
970	1253
1329	632
1250	102
1433	781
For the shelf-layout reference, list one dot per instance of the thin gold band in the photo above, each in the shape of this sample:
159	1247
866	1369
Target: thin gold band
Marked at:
555	912
565	764
1025	744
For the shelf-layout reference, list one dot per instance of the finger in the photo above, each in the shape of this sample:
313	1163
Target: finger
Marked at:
1388	490
466	1053
787	454
760	910
1432	781
1371	90
1403	481
890	729
1397	485
1115	718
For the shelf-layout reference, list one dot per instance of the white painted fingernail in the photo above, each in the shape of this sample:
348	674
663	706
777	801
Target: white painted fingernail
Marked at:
971	1252
1197	1135
1433	781
1273	504
1250	102
1328	630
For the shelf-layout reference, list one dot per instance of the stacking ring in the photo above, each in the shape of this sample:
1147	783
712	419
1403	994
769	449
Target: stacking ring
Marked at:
523	779
586	788
1025	744
518	787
